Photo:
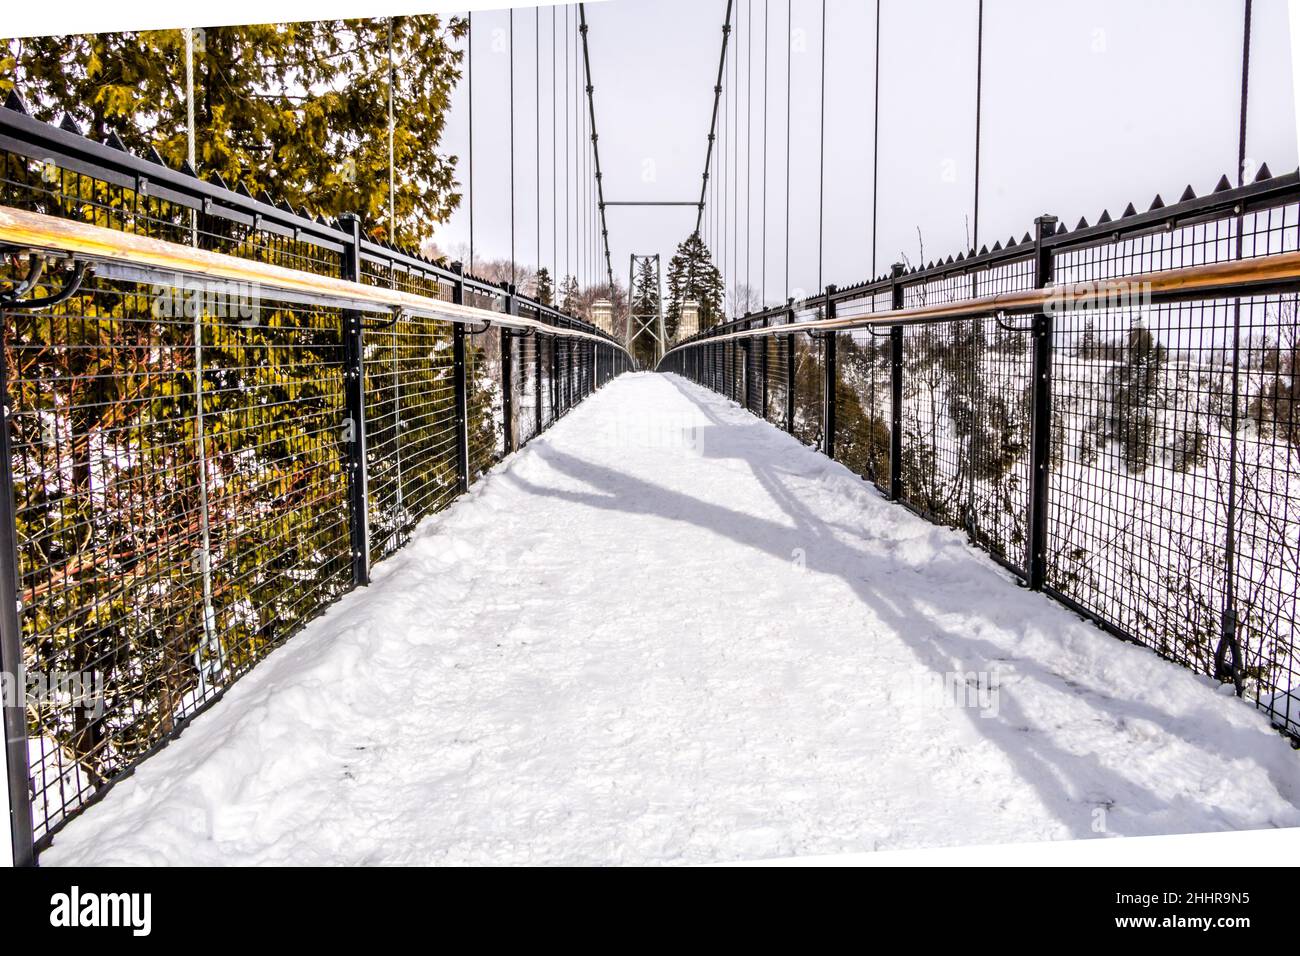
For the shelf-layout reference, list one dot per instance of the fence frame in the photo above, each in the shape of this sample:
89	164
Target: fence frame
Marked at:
1232	278
124	256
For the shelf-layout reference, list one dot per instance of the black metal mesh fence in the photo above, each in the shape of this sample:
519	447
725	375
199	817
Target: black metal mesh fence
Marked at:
778	378
1172	509
180	457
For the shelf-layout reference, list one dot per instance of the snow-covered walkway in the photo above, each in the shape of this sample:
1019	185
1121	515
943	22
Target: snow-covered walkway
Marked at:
665	631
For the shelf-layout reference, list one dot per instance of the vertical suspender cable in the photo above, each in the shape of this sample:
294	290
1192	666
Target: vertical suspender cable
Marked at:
763	283
789	69
511	52
555	180
735	175
213	645
979	103
875	150
722	185
1228	641
537	131
568	178
749	141
469	95
821	159
191	151
392	160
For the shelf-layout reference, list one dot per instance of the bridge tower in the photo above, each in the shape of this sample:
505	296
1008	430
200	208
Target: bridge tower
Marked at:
649	324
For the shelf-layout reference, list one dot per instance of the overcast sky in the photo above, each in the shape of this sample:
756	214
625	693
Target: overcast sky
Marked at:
1087	104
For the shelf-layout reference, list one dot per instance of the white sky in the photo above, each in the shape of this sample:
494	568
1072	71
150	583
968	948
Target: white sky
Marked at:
1087	104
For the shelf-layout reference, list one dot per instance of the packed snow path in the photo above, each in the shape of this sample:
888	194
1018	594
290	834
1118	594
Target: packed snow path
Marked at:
666	631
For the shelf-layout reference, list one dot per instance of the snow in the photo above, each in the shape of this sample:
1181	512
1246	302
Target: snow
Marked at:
667	632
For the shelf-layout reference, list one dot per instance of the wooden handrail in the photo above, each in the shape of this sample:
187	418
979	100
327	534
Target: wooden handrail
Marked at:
96	244
1238	276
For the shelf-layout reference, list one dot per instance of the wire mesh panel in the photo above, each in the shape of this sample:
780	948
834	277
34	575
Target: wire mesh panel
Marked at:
936	392
181	451
546	384
410	427
751	355
486	423
107	472
528	397
162	551
737	373
1266	576
966	430
778	372
862	403
809	384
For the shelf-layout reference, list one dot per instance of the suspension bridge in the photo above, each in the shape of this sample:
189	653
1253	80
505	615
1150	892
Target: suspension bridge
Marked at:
316	549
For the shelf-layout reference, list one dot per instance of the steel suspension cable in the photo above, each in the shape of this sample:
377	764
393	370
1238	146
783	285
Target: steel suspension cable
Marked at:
789	69
735	175
766	43
469	95
749	142
1228	643
511	51
392	164
568	141
722	185
979	103
555	179
710	155
875	150
821	160
537	133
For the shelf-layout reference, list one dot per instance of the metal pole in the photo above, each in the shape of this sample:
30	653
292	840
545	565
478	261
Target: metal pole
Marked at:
354	402
458	382
1229	645
1040	437
11	649
537	381
509	432
896	391
828	379
789	372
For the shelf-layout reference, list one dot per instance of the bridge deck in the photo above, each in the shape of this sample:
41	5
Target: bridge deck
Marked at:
667	632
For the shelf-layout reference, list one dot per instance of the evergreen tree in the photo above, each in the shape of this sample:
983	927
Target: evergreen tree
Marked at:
570	295
692	276
298	109
275	484
544	290
1135	398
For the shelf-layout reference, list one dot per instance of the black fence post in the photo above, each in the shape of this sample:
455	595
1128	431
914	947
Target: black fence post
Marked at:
11	649
762	359
896	389
1040	432
789	370
537	382
556	385
459	387
722	368
354	396
828	379
509	432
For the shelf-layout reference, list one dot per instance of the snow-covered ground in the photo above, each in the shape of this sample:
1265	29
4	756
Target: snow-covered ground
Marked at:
667	632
